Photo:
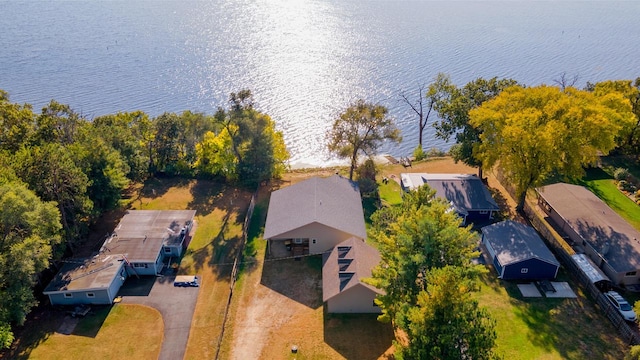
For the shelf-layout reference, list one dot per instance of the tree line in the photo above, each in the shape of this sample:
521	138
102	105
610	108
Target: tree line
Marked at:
533	134
60	171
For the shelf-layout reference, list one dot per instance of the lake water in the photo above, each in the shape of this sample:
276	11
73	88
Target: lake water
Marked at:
304	60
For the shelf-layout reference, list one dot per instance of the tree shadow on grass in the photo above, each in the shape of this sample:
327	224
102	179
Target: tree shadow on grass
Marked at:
357	336
29	337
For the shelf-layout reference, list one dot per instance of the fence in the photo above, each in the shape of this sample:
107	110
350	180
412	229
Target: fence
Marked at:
564	251
234	270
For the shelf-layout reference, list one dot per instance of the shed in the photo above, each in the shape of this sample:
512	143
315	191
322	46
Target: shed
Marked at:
518	253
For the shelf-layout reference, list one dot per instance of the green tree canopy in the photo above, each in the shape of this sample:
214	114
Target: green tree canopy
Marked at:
426	273
247	147
16	123
453	105
29	228
447	323
629	137
537	132
421	235
361	129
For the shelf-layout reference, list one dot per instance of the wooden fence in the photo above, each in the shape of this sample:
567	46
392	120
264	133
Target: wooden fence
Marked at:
564	251
234	270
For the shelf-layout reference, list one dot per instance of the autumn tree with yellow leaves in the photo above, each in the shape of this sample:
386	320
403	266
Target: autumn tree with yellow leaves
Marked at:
536	132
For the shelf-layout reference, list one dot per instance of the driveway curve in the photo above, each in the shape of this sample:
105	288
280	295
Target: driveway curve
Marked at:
176	304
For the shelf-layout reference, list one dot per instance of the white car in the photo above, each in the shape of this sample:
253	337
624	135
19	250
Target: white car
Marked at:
622	305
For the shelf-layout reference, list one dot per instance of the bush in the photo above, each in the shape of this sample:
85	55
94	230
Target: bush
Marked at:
435	152
621	174
418	153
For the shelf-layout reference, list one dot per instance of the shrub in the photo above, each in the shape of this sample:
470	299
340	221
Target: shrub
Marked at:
418	153
620	174
435	152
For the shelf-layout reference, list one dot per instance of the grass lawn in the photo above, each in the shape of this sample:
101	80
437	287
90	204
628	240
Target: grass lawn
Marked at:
602	184
220	214
93	336
547	328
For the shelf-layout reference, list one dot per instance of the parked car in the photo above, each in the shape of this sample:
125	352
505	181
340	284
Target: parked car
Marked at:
186	281
622	305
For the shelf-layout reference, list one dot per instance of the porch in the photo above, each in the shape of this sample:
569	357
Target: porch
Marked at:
288	248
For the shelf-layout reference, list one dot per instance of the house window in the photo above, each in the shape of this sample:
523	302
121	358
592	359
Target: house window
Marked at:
91	295
630	273
297	241
483	212
68	295
313	241
167	250
140	265
524	270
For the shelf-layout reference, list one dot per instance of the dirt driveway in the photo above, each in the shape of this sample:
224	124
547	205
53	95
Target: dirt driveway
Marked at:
176	304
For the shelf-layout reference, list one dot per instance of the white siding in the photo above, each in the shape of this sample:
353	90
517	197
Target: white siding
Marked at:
326	237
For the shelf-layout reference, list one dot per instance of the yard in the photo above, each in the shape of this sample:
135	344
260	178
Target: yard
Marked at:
277	304
602	184
105	333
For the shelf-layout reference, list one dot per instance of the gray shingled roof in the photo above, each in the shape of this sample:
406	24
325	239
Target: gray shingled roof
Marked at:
141	233
465	192
597	223
334	202
514	242
345	266
86	274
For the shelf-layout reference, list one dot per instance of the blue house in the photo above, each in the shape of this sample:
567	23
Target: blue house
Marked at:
518	253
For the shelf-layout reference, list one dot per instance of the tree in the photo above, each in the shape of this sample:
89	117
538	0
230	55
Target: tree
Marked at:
426	274
537	132
121	132
453	105
16	123
420	235
423	104
447	323
29	228
169	143
215	155
57	123
629	142
361	129
247	145
52	173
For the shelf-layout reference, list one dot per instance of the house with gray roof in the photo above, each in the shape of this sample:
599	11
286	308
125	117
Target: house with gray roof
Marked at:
592	227
315	215
142	244
466	193
94	280
342	272
145	238
518	253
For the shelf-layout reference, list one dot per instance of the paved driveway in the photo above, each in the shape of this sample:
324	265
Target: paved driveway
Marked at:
176	304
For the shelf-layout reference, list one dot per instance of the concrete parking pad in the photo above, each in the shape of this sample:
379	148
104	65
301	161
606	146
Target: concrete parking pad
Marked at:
563	290
529	290
176	304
